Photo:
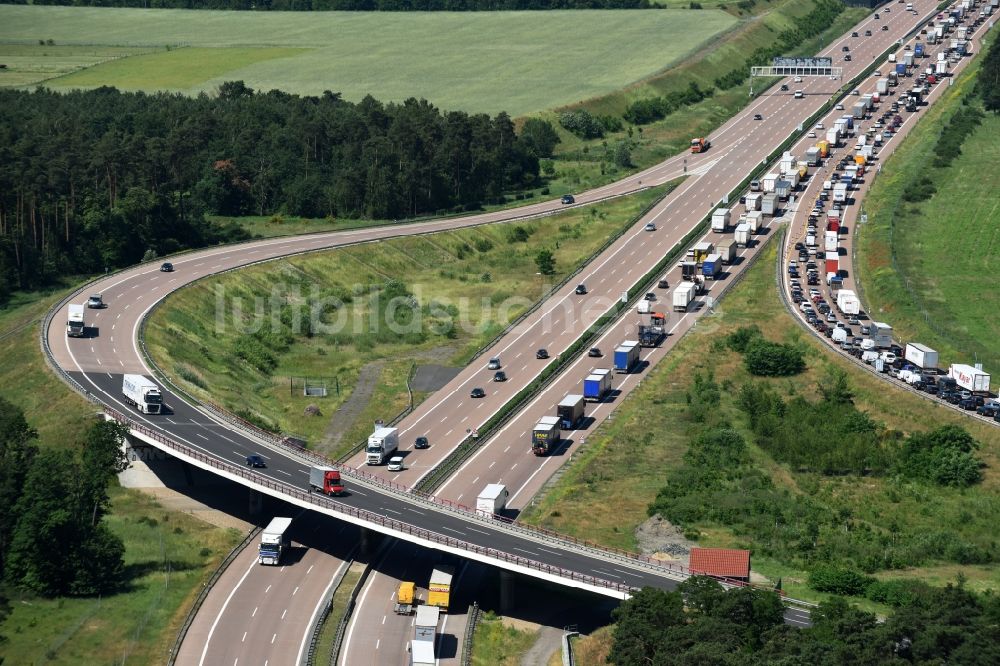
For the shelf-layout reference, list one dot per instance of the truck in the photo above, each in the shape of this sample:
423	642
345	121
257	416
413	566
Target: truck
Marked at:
422	654
908	58
812	156
142	394
651	334
858	110
381	445
832	263
753	200
833	136
545	436
918	50
727	251
941	67
700	145
882	86
882	335
840	192
848	302
684	293
900	69
74	323
326	480
769	204
969	377
712	266
406	598
627	353
720	220
571	412
921	356
439	589
425	624
742	237
783	188
755	219
701	250
831	238
492	500
688	270
596	386
769	181
273	541
644	307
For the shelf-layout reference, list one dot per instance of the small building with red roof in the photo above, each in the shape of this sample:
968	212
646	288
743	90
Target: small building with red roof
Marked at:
721	562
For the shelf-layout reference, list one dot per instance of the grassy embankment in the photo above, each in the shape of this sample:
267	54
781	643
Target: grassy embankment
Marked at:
498	644
168	555
925	266
475	273
649	434
449	58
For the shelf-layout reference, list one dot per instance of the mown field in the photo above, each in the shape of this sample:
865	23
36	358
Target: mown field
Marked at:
478	279
519	62
649	434
922	265
28	64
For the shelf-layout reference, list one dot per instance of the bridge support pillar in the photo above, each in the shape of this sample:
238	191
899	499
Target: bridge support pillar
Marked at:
368	542
506	592
255	502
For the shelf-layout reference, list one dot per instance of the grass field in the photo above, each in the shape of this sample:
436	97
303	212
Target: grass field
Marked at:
475	270
475	61
648	437
497	644
942	247
28	64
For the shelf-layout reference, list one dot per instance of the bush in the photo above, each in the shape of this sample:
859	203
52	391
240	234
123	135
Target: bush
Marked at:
773	359
740	339
944	456
836	580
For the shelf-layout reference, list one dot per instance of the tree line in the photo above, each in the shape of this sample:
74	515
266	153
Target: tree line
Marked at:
96	180
701	623
354	5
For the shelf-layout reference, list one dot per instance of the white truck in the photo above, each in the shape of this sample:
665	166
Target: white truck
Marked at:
492	500
381	445
847	302
273	541
684	294
74	323
882	86
720	220
830	240
969	377
742	234
840	192
142	394
920	356
881	334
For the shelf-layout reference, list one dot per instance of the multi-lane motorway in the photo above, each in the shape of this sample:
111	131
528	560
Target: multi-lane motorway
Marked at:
98	360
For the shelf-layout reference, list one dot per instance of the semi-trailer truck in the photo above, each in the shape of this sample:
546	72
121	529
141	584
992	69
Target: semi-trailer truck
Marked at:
727	250
882	335
684	293
326	480
970	378
545	436
848	302
596	385
273	541
142	394
652	334
492	500
921	356
75	325
627	353
381	445
720	220
742	237
571	412
712	266
439	589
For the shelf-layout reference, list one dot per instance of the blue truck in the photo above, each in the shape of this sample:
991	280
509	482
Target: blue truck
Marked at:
712	266
918	51
626	356
850	121
900	69
596	385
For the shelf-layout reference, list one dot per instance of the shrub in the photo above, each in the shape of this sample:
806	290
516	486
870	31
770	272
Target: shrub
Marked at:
773	359
740	339
837	580
944	456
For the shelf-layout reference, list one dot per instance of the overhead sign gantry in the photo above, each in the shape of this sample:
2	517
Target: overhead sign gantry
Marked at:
781	67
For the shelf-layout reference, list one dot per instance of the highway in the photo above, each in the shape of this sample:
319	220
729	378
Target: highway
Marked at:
96	362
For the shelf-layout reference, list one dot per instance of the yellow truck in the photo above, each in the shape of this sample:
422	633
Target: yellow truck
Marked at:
406	598
439	589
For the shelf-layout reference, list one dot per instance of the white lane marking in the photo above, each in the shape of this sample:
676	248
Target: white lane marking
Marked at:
451	530
215	623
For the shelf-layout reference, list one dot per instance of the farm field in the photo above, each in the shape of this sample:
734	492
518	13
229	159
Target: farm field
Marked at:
474	61
28	64
919	262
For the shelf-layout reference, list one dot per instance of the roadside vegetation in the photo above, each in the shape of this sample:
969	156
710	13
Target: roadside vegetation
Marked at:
383	308
496	643
829	467
932	229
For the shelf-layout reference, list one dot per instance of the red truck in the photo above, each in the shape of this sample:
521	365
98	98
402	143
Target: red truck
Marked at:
326	480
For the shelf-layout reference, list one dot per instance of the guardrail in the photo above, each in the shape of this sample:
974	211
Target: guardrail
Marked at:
338	641
205	590
472	619
309	658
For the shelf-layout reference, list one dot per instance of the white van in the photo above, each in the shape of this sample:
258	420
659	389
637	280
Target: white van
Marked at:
396	464
644	307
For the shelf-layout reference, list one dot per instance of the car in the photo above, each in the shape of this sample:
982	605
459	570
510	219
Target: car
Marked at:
967	404
755	185
798	79
877	17
830	317
568	199
650	226
845	48
663	284
650	296
166	267
854	34
885	28
820	126
854	321
595	352
887	133
784	87
421	443
395	464
542	354
499	376
494	363
477	393
811	135
800	246
757	116
877	125
254	460
581	289
990	410
868	33
847	58
839	107
96	302
799	94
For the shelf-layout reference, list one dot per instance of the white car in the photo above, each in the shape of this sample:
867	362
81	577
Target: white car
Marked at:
798	79
494	363
819	126
811	135
650	226
839	107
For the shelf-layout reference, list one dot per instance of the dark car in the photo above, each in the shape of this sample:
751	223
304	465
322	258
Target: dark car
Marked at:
847	58
650	296
663	284
594	353
254	460
499	376
967	404
478	393
757	116
988	410
542	353
846	48
581	289
568	199
421	443
784	88
166	267
868	33
854	34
